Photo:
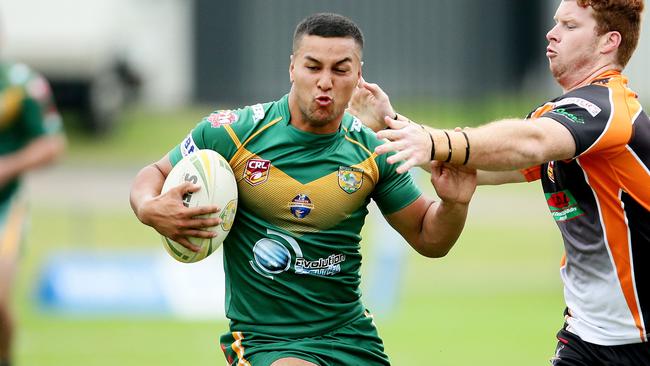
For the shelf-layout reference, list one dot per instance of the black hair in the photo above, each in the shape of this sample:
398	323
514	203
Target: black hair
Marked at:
327	25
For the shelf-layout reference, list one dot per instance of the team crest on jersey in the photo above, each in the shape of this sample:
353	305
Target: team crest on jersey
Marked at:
257	171
563	205
301	206
222	118
550	171
350	179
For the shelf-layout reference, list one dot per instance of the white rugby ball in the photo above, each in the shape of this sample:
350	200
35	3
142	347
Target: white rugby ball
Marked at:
211	171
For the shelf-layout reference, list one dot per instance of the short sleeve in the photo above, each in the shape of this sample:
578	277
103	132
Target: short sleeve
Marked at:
394	191
221	131
590	117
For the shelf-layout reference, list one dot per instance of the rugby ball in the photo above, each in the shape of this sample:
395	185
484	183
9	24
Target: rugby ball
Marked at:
213	174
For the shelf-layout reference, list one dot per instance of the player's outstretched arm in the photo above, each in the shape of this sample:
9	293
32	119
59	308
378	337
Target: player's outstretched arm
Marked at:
432	227
501	145
166	212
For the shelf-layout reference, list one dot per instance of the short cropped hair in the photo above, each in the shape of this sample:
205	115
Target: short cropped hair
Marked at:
327	25
623	16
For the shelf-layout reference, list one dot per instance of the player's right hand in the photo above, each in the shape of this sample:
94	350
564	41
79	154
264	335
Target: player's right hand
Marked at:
169	217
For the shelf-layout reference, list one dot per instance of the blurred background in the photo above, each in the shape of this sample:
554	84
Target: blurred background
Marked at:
132	77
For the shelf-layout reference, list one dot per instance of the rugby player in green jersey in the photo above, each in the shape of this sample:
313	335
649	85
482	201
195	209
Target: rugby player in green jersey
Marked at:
30	136
306	173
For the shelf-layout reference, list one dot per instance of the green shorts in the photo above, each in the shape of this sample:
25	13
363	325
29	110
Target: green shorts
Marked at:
356	343
13	213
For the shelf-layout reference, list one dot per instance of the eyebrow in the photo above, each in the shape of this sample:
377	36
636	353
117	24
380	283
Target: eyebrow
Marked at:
347	59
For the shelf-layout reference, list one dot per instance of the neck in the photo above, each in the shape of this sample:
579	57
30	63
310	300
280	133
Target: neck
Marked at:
579	81
300	121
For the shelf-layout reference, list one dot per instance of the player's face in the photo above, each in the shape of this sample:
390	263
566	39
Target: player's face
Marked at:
324	73
573	51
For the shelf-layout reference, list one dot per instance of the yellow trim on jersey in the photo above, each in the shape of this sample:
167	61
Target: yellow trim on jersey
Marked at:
261	130
11	238
239	145
372	154
331	203
11	101
239	349
233	136
241	154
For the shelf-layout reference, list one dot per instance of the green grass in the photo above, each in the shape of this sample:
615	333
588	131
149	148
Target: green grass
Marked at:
494	300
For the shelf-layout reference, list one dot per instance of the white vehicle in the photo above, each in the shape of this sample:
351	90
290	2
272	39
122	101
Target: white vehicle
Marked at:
79	48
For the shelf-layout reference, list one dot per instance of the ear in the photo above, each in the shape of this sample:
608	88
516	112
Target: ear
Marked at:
610	42
291	66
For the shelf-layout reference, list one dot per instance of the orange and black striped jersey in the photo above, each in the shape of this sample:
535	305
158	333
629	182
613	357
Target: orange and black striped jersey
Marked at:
600	200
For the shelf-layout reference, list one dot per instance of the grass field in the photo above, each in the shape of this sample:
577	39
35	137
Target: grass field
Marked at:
494	300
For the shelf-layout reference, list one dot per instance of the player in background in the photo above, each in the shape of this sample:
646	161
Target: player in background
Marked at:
590	148
306	173
30	137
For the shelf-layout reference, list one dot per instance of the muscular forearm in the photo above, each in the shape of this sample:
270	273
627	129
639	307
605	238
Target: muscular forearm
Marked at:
495	178
507	144
147	185
441	227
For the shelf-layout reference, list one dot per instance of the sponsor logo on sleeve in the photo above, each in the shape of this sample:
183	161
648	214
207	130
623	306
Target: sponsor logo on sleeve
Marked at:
350	179
257	171
563	205
188	146
222	118
572	117
356	125
258	112
582	103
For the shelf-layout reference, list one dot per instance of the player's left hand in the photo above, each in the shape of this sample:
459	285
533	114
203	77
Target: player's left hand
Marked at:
370	104
454	184
410	142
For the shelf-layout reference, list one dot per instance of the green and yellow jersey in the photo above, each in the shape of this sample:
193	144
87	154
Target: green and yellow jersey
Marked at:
292	259
27	111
